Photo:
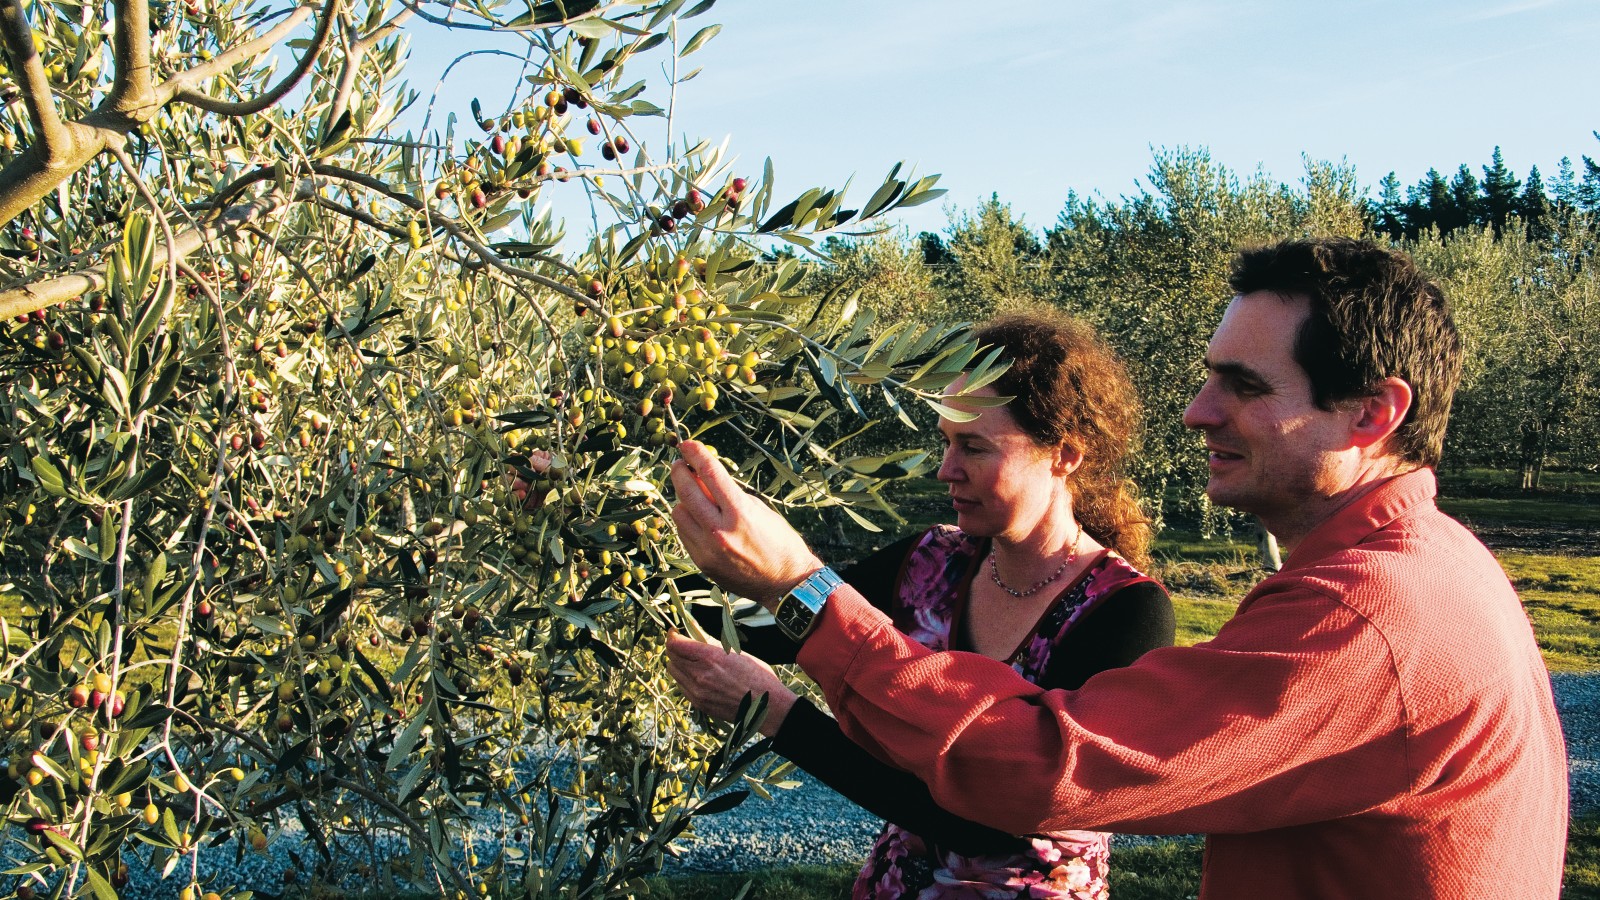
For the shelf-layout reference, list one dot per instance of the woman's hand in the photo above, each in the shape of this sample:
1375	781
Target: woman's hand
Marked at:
716	681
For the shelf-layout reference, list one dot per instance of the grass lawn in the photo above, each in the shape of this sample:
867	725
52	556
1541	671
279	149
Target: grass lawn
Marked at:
1207	577
1166	870
1477	482
1562	596
796	883
1560	593
1583	860
1529	511
1169	870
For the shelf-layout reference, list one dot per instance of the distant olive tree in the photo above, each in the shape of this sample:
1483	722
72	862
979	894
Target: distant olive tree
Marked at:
991	261
1529	312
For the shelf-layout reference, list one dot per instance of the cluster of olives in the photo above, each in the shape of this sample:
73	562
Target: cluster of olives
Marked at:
35	328
520	147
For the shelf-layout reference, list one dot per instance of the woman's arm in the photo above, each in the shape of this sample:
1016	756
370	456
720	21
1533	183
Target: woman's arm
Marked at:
1123	627
812	740
716	682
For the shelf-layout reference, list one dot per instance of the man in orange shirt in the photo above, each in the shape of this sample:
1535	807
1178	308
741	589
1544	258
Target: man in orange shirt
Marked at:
1375	720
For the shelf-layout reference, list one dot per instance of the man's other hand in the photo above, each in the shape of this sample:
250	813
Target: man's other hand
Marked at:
735	538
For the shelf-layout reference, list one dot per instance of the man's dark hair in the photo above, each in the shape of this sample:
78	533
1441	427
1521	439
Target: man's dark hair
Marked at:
1374	315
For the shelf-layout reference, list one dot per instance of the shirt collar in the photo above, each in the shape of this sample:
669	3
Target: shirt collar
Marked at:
1374	509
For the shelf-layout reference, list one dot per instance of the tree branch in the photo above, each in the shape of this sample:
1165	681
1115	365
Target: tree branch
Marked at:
195	97
496	25
352	63
37	171
42	167
132	88
53	138
229	58
29	297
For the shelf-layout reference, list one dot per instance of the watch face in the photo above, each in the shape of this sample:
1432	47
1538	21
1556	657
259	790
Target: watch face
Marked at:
797	611
793	615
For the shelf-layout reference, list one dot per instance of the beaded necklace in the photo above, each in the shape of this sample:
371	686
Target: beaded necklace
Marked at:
1072	557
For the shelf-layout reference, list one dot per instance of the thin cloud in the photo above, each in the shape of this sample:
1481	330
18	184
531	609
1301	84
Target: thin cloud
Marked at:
1510	9
1375	90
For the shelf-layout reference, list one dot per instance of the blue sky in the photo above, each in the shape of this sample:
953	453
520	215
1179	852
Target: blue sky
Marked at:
1031	98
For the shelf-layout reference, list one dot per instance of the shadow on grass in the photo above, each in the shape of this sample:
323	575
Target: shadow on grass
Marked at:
795	883
1165	870
1583	861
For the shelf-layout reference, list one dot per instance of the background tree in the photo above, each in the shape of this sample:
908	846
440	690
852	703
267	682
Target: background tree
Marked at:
1564	187
885	273
1529	317
1466	204
1389	212
1533	206
992	261
334	468
1588	190
1432	205
1499	193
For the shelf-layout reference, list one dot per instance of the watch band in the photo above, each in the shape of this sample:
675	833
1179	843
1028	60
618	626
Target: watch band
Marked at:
797	611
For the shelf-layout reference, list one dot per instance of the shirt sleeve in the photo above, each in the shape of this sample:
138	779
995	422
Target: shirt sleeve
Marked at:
874	576
1128	623
1234	735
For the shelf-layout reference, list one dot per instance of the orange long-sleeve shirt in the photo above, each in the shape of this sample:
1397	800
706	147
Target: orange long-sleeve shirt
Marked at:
1374	722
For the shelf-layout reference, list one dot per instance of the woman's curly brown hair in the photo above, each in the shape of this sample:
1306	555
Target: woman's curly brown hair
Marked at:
1069	389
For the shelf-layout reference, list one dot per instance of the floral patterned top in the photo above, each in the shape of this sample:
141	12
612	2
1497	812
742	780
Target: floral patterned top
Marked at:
928	604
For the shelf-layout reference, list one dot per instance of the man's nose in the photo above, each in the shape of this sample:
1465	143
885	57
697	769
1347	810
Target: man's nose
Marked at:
1202	412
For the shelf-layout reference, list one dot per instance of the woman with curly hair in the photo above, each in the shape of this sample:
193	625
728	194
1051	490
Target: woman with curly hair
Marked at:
1042	569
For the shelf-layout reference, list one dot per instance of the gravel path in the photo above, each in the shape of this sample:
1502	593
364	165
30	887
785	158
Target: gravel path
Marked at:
811	824
1578	701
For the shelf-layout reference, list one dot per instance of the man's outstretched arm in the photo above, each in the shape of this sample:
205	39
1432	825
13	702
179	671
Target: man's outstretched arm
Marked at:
1221	737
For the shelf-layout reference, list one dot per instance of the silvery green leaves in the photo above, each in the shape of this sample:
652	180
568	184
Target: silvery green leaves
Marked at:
819	210
826	367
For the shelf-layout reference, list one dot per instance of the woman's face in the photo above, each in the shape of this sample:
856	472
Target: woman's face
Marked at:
1002	482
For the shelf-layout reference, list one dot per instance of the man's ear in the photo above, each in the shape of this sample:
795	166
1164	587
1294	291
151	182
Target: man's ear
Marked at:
1067	460
1380	415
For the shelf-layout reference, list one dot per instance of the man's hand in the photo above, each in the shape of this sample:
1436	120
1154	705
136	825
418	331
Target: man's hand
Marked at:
716	681
735	539
539	461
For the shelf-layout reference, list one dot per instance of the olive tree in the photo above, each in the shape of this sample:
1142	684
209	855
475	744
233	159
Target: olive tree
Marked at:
335	468
1529	313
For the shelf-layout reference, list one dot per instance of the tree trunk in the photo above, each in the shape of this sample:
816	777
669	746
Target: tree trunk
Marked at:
1539	455
1530	453
1267	548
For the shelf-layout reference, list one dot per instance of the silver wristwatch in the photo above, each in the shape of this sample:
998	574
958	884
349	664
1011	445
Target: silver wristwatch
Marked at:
797	611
